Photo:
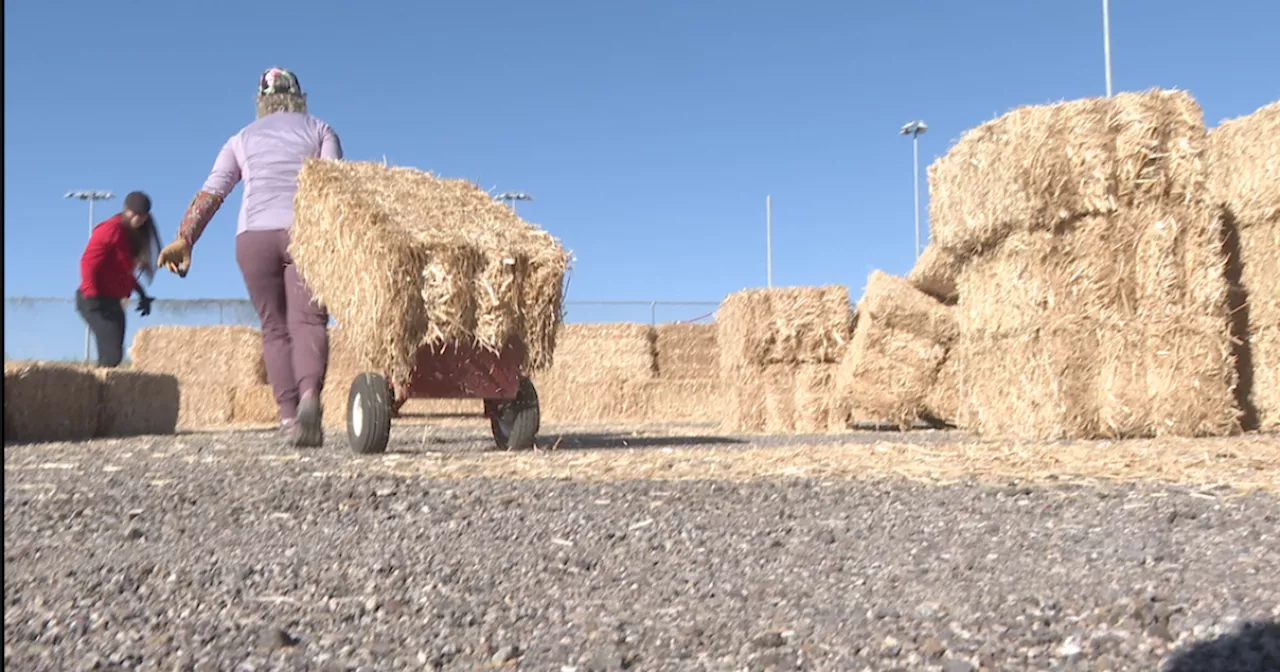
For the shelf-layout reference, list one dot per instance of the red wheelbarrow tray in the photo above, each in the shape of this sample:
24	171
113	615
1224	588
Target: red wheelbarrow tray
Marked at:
464	371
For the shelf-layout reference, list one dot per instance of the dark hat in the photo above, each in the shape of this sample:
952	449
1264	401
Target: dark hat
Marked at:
138	202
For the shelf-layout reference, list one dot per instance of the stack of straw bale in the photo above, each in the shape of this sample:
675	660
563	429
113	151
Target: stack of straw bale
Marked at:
900	342
403	259
210	364
1092	289
601	373
66	402
779	349
1245	179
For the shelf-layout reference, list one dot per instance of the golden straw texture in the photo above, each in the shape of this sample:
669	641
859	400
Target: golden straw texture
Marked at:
688	351
403	259
137	403
1244	158
220	355
936	273
1039	166
899	344
596	351
45	401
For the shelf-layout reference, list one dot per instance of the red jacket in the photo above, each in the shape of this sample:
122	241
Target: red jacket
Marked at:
107	266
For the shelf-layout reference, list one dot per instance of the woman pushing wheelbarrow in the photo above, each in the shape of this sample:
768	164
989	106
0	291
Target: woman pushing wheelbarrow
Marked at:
267	155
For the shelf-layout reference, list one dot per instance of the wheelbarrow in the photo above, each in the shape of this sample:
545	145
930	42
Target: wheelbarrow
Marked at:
454	371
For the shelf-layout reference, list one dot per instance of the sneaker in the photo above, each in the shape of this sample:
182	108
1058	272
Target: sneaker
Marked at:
307	430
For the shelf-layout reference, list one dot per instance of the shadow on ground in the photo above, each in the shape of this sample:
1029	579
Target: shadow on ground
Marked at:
1253	647
599	441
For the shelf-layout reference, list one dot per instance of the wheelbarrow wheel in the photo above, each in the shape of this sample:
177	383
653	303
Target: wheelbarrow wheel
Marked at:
516	423
369	414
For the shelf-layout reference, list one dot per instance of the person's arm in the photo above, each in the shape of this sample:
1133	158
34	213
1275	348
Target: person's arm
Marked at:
330	146
222	179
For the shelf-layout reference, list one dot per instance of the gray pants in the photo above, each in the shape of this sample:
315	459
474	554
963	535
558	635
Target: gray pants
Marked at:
295	337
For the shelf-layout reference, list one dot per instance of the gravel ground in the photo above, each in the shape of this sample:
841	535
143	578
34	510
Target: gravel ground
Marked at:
231	552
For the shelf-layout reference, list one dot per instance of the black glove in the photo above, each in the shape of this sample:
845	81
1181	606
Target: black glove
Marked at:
144	304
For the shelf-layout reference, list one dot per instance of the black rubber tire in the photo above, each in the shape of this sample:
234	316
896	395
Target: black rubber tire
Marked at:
516	423
369	414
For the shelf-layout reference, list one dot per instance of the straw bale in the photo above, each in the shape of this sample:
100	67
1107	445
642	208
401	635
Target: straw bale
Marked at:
229	356
403	259
566	399
1265	344
1173	376
744	394
887	373
1038	280
816	410
896	304
779	383
936	273
45	402
1037	167
688	351
1191	377
681	400
1244	177
943	399
205	406
254	405
1244	157
137	403
1030	385
606	351
796	325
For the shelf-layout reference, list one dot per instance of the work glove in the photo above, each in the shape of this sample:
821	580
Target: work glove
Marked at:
176	257
144	304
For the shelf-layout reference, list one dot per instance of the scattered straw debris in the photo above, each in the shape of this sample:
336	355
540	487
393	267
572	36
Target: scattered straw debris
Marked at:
1243	462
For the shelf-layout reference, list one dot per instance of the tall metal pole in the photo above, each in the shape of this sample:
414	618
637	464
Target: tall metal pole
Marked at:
86	326
768	238
915	169
1106	40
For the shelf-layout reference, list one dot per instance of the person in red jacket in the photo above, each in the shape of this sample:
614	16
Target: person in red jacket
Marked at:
120	250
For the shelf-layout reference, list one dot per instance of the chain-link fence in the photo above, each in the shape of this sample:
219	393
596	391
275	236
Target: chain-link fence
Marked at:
49	329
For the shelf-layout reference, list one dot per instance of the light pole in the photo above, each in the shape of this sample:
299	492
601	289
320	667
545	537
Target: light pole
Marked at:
915	129
512	196
92	197
1106	40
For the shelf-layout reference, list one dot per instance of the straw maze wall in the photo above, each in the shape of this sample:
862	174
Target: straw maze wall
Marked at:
603	373
60	402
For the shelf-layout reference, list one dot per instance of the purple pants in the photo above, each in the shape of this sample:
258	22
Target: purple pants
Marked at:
295	337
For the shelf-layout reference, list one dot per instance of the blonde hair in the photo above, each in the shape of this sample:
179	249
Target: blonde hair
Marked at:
270	103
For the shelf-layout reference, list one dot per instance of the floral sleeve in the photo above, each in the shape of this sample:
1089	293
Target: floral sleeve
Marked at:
202	209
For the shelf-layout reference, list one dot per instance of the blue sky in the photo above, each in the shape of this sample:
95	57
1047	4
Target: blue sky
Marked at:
649	132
